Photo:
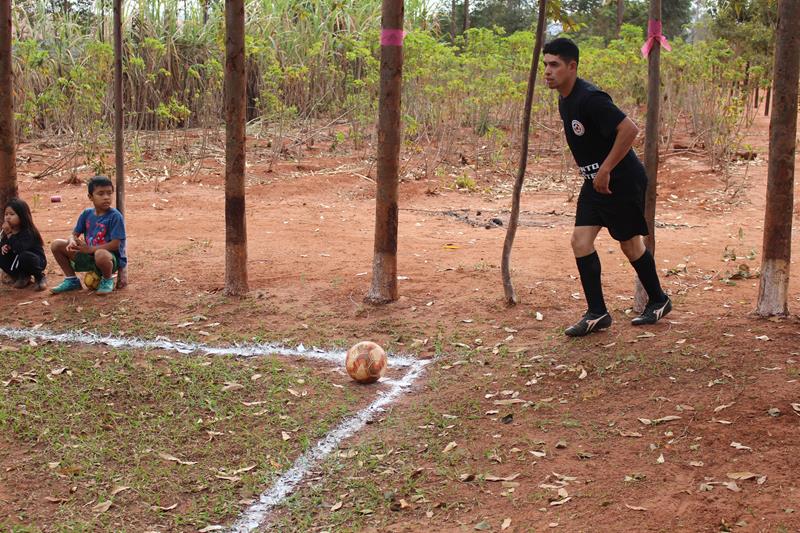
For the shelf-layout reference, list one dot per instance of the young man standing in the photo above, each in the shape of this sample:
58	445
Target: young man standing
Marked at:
600	137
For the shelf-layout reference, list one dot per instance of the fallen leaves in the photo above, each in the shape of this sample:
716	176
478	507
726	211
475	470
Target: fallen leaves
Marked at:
740	446
117	489
102	507
167	508
635	507
656	421
172	458
450	447
512	477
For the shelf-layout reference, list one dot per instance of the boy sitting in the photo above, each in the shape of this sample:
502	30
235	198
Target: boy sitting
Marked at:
102	248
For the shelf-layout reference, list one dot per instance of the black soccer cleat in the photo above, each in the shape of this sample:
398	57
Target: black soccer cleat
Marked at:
653	313
589	323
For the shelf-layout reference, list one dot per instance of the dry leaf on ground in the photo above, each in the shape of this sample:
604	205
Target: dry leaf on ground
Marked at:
635	507
102	507
168	457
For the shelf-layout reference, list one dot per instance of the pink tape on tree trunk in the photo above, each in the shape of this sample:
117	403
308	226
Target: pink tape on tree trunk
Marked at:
391	37
654	36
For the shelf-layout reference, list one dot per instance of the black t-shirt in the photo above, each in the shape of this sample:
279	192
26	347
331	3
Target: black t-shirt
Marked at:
590	123
23	241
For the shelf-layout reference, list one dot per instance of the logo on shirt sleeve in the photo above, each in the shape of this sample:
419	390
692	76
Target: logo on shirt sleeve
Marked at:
578	128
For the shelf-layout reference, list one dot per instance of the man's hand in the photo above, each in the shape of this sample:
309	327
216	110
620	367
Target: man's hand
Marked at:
601	181
6	227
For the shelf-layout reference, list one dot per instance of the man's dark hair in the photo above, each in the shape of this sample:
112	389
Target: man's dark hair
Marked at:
99	181
563	48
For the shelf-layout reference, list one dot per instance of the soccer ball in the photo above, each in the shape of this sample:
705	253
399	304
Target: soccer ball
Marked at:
366	362
91	280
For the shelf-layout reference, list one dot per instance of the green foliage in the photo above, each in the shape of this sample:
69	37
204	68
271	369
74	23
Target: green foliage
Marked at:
320	58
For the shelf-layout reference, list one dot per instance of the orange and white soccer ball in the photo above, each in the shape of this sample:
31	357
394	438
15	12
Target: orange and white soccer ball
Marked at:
366	362
91	280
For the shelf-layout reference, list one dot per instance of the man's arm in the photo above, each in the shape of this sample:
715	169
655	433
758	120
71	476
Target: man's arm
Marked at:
626	134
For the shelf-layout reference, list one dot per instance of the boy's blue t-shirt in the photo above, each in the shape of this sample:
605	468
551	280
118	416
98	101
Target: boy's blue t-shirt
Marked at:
99	230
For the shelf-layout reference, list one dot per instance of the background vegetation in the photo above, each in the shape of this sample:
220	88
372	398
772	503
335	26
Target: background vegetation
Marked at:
311	59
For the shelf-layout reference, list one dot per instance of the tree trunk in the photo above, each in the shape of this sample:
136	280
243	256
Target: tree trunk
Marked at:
205	12
651	149
384	265
767	101
8	156
102	21
755	99
235	109
119	149
466	15
620	15
453	21
777	250
508	285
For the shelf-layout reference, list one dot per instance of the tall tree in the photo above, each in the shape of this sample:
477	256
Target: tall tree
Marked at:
119	149
620	15
777	246
453	28
235	109
508	285
384	264
653	50
8	157
466	16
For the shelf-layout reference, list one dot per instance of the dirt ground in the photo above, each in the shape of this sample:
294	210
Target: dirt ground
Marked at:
557	423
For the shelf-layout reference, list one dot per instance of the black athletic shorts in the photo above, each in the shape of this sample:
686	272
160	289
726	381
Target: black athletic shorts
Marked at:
622	214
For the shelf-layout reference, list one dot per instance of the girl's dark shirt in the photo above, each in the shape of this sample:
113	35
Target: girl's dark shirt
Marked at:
23	241
590	124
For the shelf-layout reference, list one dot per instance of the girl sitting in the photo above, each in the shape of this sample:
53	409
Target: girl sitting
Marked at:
22	247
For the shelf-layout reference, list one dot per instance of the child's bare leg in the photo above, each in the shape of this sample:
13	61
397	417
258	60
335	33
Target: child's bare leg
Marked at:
63	257
122	278
105	262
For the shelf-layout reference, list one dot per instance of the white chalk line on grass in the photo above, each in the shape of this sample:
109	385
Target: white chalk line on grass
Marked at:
258	513
163	343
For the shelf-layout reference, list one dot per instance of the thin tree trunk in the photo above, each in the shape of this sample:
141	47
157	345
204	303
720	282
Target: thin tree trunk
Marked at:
384	265
620	15
205	12
8	157
755	99
453	21
119	150
466	15
508	285
767	101
777	246
651	149
102	21
235	109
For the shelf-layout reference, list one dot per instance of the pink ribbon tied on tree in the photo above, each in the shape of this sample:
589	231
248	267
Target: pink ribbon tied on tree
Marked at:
654	36
392	37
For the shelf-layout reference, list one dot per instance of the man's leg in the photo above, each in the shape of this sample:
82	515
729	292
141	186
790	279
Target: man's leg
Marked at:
589	266
641	259
588	262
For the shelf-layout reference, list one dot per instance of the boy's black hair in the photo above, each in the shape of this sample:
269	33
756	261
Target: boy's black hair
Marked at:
25	217
99	181
564	48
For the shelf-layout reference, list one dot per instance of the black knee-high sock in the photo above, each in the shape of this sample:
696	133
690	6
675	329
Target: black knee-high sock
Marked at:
645	268
589	269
